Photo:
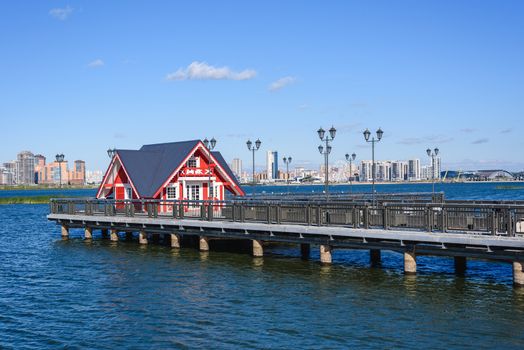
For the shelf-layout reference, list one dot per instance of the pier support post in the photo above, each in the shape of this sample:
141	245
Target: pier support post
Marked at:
518	274
325	254
104	233
305	250
65	231
258	250
142	237
129	236
410	263
175	240
88	233
374	257
460	265
114	236
203	244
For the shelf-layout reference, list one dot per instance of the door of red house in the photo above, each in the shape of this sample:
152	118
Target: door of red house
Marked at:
119	195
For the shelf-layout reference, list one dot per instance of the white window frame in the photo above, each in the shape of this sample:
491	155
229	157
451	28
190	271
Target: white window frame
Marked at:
196	160
172	187
190	188
128	192
211	191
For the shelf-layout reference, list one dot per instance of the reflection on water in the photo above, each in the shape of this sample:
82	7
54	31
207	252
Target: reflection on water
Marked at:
258	262
105	295
410	284
204	256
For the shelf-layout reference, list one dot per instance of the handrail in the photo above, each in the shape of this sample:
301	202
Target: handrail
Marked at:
466	217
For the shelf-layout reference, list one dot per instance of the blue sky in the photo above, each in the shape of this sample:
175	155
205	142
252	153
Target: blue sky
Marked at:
81	76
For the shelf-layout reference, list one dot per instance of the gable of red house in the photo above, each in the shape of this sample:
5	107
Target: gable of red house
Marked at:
177	170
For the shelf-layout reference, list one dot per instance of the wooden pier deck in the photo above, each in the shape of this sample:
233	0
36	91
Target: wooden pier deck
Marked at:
459	229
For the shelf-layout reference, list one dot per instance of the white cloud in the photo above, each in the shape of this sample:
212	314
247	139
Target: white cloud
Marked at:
61	13
96	63
280	83
203	71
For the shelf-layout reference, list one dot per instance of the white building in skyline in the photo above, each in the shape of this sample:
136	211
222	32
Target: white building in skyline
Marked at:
425	172
414	170
366	171
269	164
25	168
236	167
383	170
399	170
94	176
436	168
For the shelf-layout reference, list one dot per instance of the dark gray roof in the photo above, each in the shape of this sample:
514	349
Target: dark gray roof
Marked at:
151	165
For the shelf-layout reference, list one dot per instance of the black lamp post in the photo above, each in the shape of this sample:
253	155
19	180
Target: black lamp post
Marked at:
367	135
350	159
327	139
433	155
287	161
210	145
253	149
60	160
111	153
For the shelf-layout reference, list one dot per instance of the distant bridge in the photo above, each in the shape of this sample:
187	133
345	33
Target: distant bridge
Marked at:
481	174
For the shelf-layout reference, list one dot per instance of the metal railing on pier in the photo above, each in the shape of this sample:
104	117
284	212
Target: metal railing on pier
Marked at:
465	217
421	197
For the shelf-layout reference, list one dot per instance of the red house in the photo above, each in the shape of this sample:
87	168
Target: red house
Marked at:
177	170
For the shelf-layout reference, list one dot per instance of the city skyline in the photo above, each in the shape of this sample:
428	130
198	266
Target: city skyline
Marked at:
428	74
29	168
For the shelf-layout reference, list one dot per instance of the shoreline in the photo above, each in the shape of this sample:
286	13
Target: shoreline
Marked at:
358	183
43	188
26	200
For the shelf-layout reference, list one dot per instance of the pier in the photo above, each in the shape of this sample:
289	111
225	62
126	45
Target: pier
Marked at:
459	229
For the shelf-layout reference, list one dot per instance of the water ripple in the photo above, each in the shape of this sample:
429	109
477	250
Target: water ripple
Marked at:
96	295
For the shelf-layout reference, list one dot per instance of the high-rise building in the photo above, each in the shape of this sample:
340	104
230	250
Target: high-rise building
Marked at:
39	168
10	173
6	177
54	173
436	168
425	172
77	176
399	170
366	168
414	170
383	170
275	165
25	165
39	160
236	167
269	165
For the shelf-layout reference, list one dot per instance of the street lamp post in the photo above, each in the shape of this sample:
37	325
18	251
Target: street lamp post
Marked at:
367	134
111	153
327	139
210	145
287	161
433	154
253	149
350	159
60	160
